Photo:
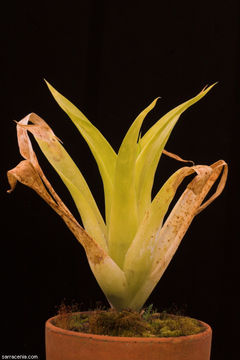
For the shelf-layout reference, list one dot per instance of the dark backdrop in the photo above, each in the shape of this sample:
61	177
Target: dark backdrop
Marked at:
111	59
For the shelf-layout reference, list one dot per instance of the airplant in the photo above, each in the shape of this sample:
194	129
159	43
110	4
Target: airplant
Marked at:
131	249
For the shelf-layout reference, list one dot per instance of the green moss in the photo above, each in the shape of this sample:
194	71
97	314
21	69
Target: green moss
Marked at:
172	325
128	323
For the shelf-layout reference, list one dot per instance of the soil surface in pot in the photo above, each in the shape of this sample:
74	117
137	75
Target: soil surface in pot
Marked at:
128	323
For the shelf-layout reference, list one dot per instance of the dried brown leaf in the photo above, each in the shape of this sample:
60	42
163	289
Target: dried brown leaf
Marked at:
187	207
218	168
25	173
29	173
176	157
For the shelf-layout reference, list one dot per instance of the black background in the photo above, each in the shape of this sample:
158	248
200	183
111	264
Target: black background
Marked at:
111	59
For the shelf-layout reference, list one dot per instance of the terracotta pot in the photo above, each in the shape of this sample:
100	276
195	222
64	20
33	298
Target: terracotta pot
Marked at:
71	345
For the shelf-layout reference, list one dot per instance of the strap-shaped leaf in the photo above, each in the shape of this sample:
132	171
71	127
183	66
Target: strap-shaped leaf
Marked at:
101	149
174	112
110	277
124	213
146	166
70	175
152	145
177	223
140	255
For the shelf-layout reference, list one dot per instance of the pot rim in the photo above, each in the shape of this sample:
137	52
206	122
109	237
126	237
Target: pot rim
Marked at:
106	338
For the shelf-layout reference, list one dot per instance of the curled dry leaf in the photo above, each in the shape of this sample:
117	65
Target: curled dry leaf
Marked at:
176	157
187	207
25	173
218	168
29	173
70	175
168	238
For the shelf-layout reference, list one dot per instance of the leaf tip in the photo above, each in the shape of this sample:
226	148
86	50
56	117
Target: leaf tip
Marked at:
155	100
209	87
50	87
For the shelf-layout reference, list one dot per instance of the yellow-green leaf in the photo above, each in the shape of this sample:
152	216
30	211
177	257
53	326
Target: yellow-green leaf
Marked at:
102	151
152	145
124	213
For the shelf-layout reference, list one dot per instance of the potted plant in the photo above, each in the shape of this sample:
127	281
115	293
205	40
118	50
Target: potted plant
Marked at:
128	251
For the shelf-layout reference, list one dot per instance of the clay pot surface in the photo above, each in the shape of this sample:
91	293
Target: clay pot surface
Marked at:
71	345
